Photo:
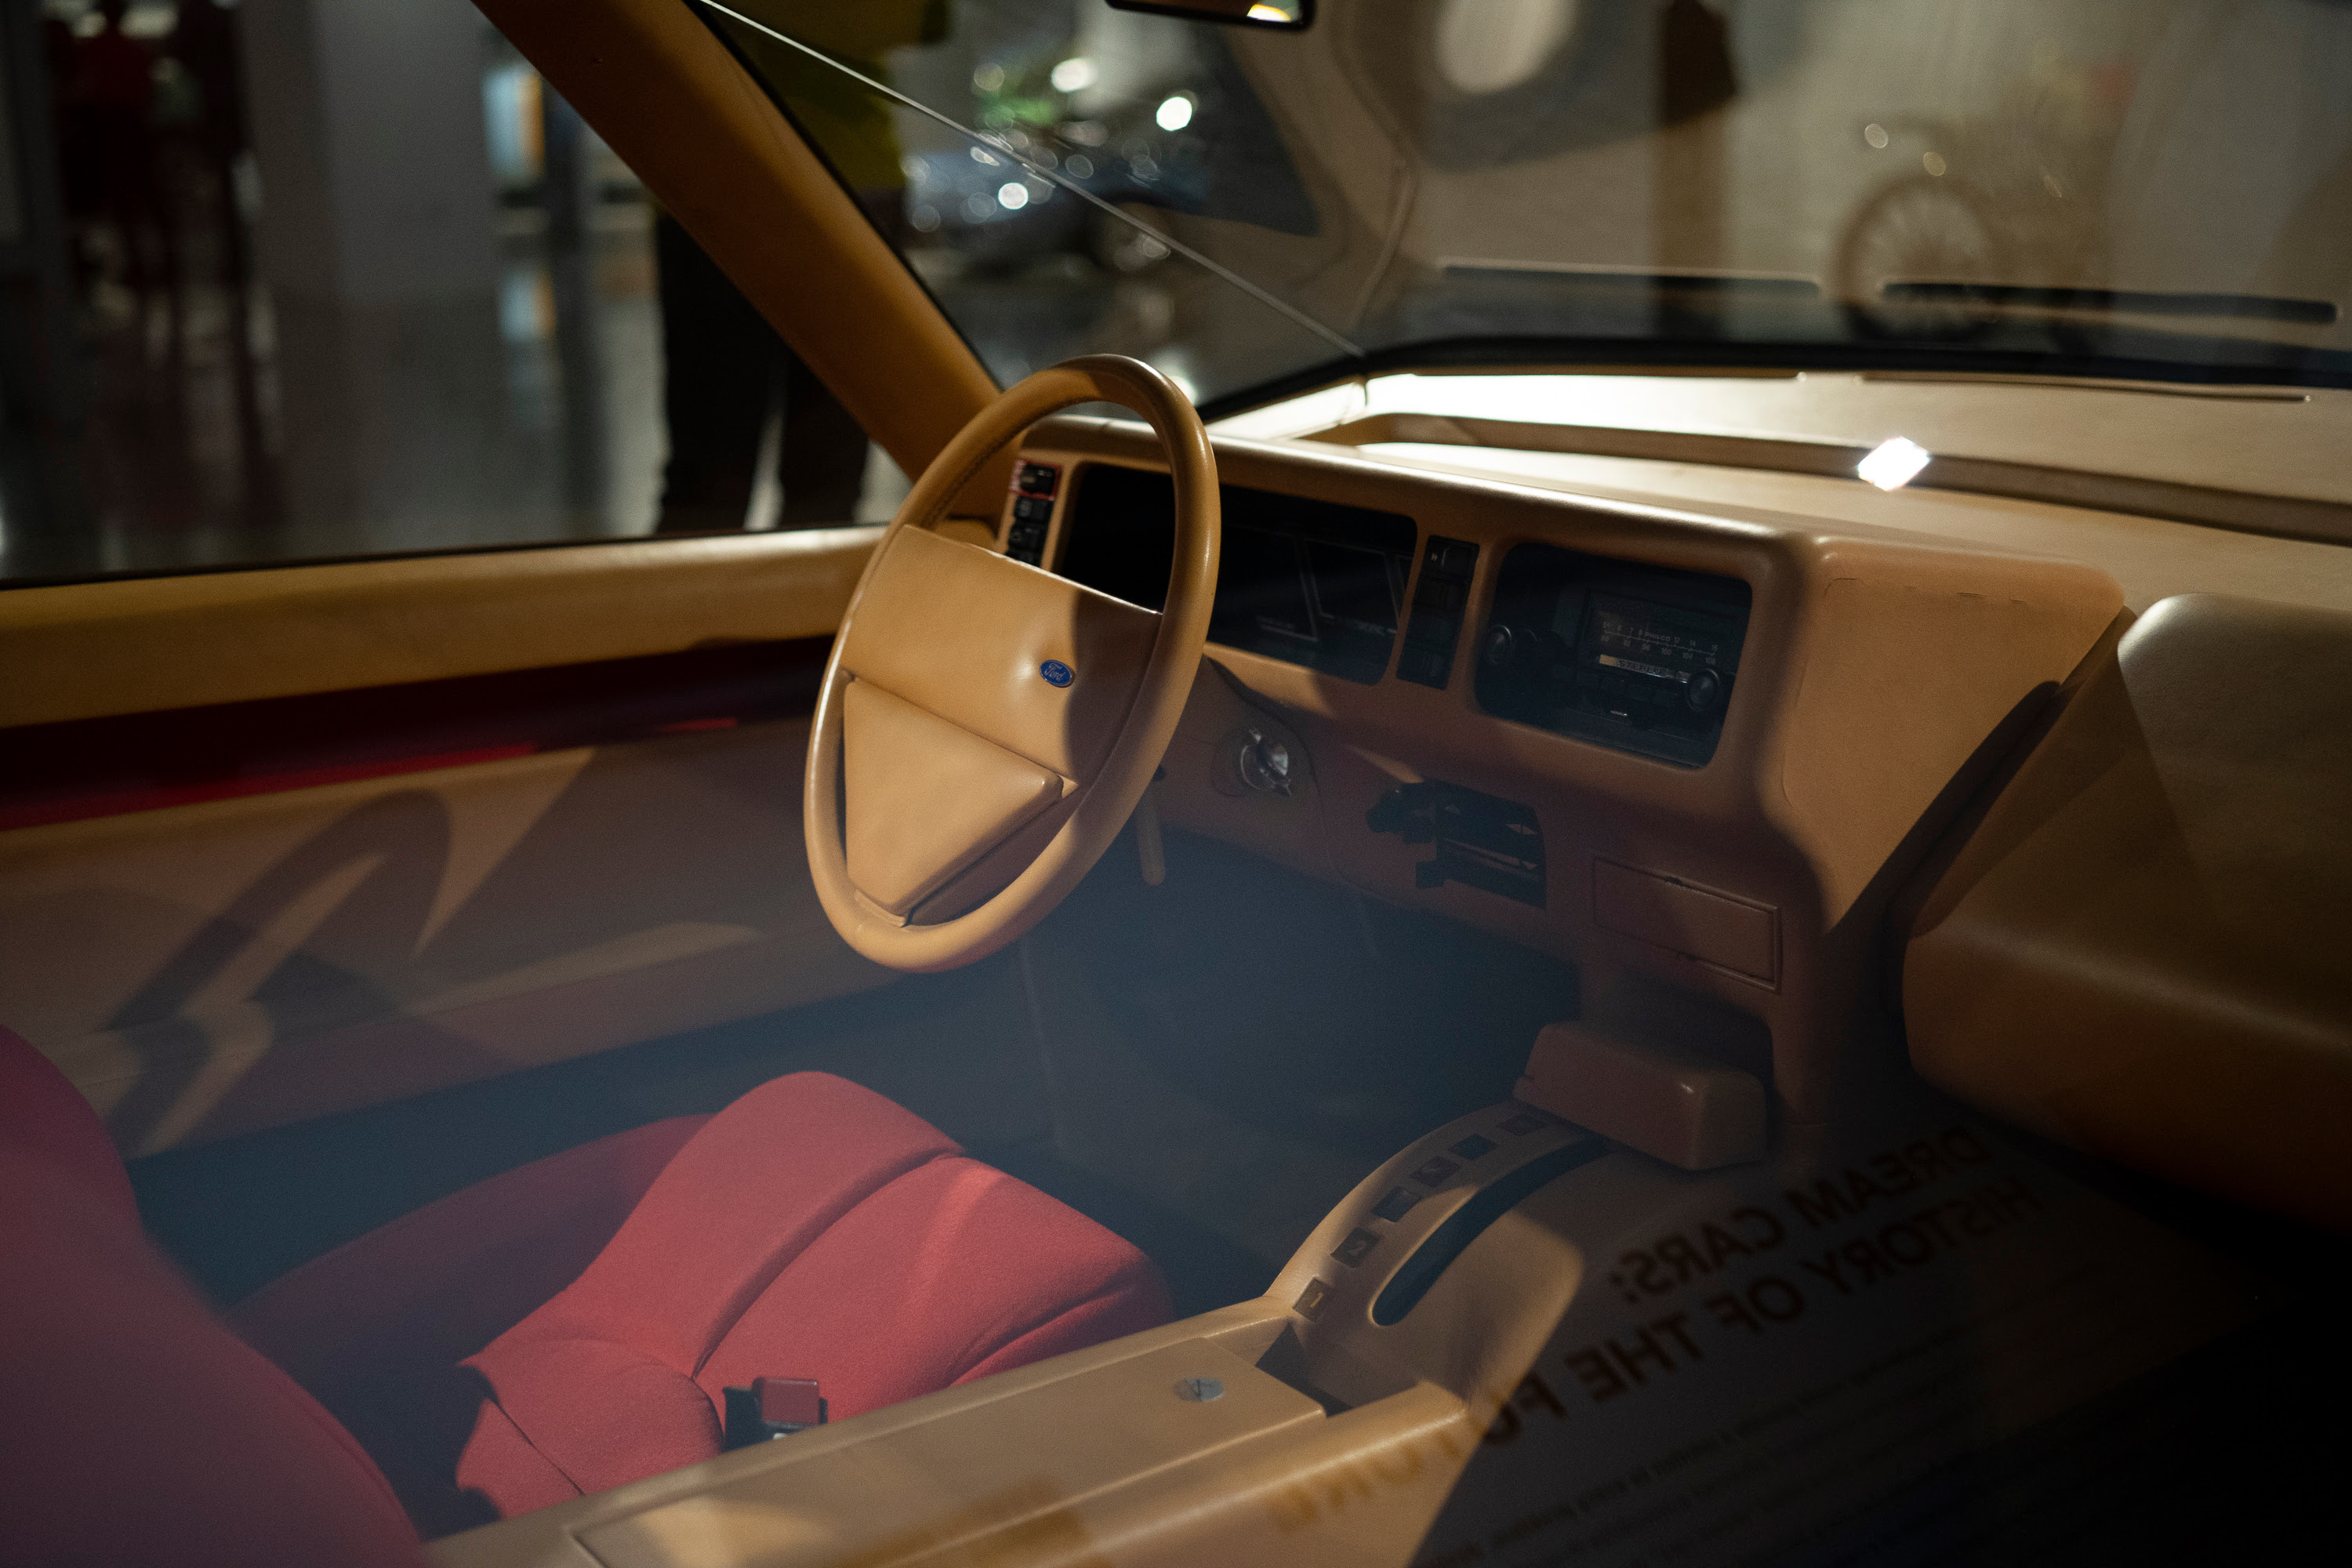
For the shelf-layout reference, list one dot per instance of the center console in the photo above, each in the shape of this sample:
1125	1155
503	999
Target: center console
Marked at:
1323	1422
1517	1343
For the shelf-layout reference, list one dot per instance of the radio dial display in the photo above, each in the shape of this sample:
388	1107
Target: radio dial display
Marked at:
1633	656
1656	640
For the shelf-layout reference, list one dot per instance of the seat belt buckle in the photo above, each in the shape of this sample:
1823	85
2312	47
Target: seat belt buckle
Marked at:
771	1408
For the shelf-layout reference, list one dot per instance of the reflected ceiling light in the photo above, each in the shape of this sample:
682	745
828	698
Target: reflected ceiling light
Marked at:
1172	369
1075	75
1273	14
1175	113
1893	463
1493	45
1016	195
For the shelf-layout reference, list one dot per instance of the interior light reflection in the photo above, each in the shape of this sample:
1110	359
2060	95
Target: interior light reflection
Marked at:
1893	463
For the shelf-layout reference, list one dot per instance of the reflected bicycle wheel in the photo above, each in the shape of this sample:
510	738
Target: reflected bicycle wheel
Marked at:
1914	257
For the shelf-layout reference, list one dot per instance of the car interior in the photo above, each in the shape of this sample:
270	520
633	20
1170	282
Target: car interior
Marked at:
1471	961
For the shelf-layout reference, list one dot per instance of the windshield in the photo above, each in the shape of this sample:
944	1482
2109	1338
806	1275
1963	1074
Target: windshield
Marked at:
2095	186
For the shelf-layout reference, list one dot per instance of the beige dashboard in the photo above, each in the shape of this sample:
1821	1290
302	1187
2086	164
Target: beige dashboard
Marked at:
1848	890
1738	902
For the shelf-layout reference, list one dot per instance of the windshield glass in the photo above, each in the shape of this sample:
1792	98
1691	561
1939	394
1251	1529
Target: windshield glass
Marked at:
2096	186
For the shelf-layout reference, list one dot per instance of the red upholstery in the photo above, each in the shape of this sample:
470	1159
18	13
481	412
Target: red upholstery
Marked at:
134	1427
45	1115
812	1229
376	1327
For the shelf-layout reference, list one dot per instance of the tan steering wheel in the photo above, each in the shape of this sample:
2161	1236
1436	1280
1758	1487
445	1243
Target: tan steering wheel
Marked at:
985	728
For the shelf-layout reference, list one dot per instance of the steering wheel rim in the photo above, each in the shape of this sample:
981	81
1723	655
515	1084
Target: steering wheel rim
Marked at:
1003	730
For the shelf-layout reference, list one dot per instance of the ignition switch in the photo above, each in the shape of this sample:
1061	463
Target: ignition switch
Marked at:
1263	763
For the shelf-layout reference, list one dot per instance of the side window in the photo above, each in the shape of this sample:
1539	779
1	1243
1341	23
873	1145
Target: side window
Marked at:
297	282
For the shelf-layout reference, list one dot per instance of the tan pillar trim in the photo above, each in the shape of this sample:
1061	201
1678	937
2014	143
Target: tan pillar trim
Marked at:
670	99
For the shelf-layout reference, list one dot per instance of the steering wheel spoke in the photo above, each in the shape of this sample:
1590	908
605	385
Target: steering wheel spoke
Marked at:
985	728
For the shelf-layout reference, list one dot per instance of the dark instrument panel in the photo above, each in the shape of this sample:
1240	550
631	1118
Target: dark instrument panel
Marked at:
1640	657
1309	581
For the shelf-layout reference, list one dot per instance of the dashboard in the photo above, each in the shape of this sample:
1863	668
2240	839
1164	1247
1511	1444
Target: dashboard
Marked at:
1824	783
1300	580
1627	655
1691	752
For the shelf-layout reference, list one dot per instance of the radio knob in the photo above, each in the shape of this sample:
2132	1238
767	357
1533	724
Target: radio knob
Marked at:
1701	693
1502	647
1529	653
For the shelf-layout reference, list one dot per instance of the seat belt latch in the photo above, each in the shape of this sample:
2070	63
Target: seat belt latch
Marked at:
771	1408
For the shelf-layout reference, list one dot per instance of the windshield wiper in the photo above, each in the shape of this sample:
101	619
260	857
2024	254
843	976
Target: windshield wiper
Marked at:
997	147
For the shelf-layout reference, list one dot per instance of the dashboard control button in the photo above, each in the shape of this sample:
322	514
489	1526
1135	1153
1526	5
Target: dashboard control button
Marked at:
1424	666
1704	688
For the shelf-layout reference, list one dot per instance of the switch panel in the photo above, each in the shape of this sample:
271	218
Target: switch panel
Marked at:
1479	839
1033	485
1439	598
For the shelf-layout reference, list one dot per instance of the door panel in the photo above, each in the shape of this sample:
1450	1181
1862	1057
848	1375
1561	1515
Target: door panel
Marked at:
211	969
86	650
284	842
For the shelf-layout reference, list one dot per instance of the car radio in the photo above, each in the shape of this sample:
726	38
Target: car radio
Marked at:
1640	657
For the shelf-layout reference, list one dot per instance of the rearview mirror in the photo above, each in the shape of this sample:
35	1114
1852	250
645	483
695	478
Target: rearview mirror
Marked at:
1291	16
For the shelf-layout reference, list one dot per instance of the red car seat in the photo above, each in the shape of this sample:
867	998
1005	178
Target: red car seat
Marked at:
561	1329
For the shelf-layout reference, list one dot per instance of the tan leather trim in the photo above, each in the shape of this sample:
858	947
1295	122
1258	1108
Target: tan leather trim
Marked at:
1191	1494
963	632
88	651
997	871
2140	947
1109	790
670	98
1884	713
925	796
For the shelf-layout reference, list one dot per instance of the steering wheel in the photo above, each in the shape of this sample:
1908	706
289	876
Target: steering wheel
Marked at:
985	728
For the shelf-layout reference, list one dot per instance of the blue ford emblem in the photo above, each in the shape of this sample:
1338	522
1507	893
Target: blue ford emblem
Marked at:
1056	673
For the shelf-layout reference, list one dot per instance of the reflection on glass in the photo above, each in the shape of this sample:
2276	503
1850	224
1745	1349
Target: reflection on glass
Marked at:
1893	463
2050	185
